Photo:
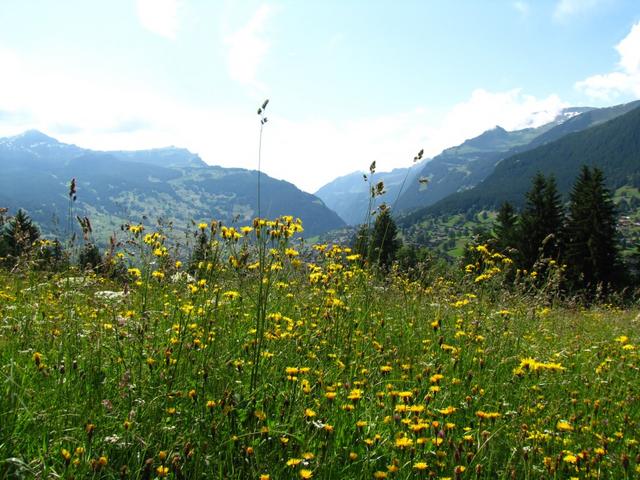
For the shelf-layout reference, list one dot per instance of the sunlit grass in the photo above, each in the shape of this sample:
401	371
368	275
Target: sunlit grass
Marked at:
357	376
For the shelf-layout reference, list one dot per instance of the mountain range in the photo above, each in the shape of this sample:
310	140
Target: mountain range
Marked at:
457	170
117	187
174	185
612	146
349	195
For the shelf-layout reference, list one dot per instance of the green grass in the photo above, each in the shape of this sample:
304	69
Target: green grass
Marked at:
357	376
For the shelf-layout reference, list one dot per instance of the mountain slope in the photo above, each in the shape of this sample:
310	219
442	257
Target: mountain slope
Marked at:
349	195
464	166
142	186
613	146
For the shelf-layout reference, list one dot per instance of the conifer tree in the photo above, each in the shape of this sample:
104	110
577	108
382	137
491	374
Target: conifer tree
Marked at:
384	241
505	229
540	226
19	235
591	234
361	242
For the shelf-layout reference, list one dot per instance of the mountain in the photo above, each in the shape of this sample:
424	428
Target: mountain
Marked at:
455	169
464	166
117	187
613	146
349	195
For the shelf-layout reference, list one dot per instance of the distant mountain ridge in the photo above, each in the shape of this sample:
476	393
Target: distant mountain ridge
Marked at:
349	195
612	145
122	186
463	167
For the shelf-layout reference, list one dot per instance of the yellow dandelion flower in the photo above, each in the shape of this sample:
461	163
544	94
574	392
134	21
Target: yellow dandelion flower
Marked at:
420	466
564	426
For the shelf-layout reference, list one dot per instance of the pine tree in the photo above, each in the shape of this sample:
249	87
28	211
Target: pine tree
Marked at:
591	234
361	242
19	235
200	251
505	229
90	257
540	226
384	241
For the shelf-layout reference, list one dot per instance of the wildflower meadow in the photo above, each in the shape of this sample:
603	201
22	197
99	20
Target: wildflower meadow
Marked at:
265	358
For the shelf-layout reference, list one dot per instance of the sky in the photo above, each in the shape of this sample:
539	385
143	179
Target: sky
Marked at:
349	81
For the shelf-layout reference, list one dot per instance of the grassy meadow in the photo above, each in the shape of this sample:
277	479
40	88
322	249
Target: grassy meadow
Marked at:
269	359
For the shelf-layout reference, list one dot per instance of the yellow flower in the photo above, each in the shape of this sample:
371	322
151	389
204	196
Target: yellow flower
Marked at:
37	358
404	442
420	465
448	411
162	471
304	473
355	394
487	415
564	426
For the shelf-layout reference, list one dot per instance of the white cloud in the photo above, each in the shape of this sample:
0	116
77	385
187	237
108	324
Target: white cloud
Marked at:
159	16
522	7
247	48
118	114
624	81
568	8
314	152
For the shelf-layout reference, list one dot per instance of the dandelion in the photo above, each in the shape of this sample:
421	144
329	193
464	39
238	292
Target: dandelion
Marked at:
66	455
37	358
304	473
403	442
487	415
355	395
448	411
564	426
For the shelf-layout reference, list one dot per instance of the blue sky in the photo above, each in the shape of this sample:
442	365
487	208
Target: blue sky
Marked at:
349	81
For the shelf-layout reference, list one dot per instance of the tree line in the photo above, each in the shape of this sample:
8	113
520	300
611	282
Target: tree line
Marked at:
581	236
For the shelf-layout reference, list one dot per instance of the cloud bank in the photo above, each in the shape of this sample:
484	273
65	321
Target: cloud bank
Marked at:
159	16
625	80
247	48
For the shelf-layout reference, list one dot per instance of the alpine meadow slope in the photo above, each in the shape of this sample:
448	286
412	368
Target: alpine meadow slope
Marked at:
118	187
